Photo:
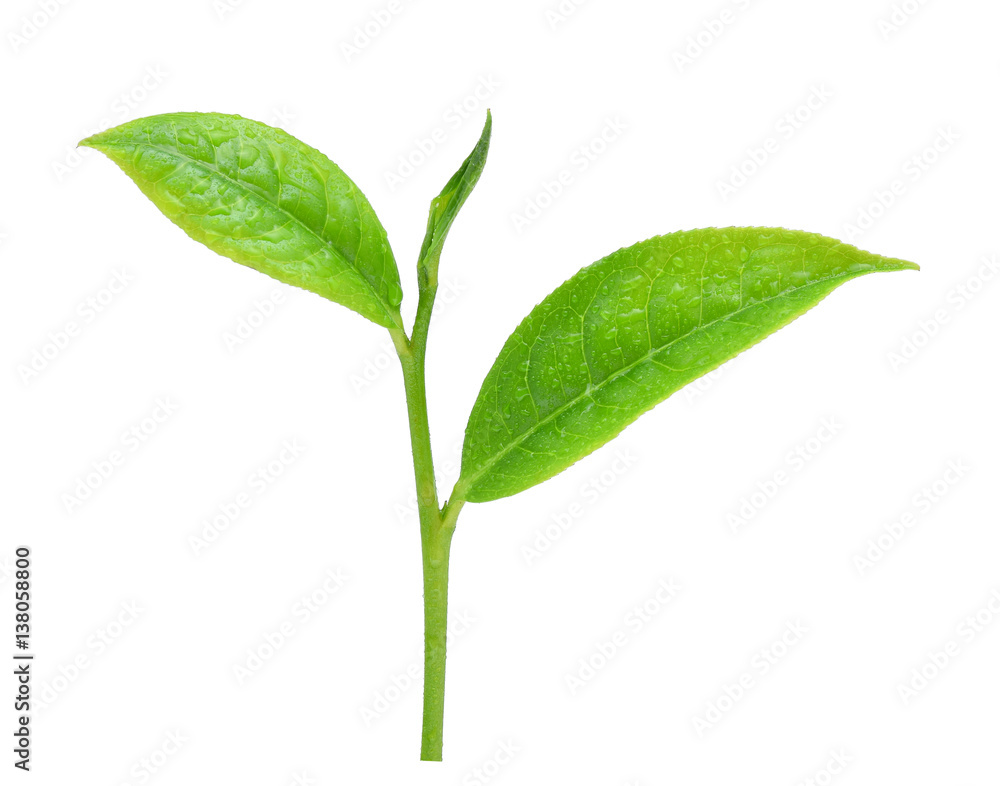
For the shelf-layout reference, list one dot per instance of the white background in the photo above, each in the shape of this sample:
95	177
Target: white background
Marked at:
70	223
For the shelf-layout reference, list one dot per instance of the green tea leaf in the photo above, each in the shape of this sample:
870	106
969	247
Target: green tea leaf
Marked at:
264	199
445	206
626	332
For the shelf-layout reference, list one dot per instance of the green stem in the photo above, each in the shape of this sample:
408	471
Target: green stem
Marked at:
436	526
411	358
436	547
436	544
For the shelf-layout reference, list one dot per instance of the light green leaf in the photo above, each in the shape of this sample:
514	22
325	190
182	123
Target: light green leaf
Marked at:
446	205
264	199
626	332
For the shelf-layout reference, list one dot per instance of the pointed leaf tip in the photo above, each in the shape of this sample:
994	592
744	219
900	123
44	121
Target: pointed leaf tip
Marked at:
446	205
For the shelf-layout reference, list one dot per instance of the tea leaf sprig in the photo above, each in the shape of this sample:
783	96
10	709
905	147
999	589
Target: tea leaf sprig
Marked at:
617	338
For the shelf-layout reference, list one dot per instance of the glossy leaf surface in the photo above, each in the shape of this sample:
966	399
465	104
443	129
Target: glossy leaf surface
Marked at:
626	332
260	197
